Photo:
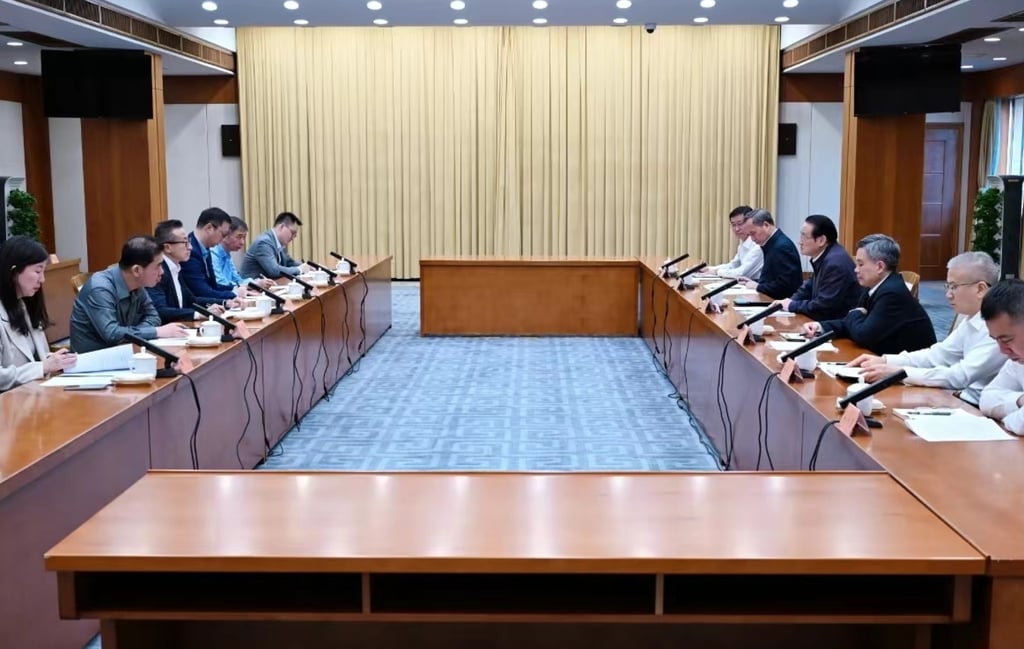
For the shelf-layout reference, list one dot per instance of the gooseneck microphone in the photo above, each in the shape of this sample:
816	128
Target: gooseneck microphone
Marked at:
353	264
169	358
808	346
669	264
873	389
724	287
278	300
760	315
330	273
227	324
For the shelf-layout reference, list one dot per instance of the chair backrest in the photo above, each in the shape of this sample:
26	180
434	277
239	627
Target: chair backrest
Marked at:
79	280
912	280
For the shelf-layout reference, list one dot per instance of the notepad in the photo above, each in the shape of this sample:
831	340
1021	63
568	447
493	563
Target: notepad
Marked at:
103	360
84	382
787	346
957	425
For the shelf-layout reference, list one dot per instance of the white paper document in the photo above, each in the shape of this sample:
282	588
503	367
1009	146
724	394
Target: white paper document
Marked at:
103	360
787	346
951	425
77	381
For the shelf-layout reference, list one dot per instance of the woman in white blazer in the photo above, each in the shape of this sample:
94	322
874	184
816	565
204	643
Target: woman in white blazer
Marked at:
24	353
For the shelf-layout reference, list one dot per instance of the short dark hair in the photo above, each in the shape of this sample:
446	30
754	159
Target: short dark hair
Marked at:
760	217
164	231
16	254
286	218
214	215
238	224
822	226
138	251
1006	297
741	210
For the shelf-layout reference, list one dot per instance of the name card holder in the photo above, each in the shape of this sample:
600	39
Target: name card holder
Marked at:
790	373
185	364
242	330
852	423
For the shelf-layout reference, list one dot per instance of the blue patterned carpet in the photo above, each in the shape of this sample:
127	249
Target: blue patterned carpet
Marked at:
495	404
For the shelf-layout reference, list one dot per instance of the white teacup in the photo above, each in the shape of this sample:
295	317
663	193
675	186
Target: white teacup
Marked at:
343	268
263	304
211	329
864	405
294	288
690	281
143	363
757	328
320	276
807	361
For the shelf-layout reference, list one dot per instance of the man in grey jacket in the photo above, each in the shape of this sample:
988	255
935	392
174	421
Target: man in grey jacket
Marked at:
268	254
114	302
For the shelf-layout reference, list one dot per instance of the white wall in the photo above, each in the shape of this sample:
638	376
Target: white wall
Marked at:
68	180
12	140
198	176
809	182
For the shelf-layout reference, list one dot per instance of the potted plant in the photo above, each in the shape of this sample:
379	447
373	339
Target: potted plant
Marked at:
988	209
22	214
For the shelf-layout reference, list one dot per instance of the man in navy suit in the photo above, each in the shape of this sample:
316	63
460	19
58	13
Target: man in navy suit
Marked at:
781	274
833	289
888	320
197	271
171	297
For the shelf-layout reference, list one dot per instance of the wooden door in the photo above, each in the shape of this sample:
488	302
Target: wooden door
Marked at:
940	199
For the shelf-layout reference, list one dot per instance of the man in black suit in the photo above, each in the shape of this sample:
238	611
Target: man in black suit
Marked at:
888	320
833	289
781	274
171	297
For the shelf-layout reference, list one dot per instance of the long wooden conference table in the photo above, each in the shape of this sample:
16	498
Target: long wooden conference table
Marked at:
66	454
894	542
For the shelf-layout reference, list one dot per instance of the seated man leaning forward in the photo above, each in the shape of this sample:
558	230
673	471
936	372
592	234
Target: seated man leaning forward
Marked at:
968	359
888	319
114	301
1003	312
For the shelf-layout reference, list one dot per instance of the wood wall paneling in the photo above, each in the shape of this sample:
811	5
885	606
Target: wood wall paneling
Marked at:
883	174
36	133
1001	82
201	90
10	87
125	178
811	88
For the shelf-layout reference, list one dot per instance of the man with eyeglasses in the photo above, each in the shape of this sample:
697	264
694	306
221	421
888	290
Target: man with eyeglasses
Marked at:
197	271
749	258
223	266
1003	311
833	289
968	359
268	256
170	296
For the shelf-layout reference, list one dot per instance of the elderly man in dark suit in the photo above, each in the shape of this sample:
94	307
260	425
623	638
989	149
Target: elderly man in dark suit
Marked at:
781	274
888	320
833	289
268	256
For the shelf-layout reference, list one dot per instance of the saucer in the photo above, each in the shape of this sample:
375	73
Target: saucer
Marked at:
319	284
876	405
133	379
768	329
203	341
246	314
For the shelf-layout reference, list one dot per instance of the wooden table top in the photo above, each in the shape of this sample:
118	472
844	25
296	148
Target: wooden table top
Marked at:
976	487
725	523
43	426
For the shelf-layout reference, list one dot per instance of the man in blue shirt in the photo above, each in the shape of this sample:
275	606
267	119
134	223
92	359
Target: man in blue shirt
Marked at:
197	272
223	265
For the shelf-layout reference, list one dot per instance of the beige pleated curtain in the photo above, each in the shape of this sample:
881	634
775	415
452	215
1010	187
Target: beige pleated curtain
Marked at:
582	141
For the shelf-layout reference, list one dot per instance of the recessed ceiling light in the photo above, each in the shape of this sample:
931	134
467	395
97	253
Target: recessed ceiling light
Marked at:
457	5
619	21
789	4
21	63
380	21
540	4
998	58
540	21
992	39
966	67
782	19
14	43
623	4
300	21
220	21
700	20
460	21
707	4
209	6
291	5
373	5
1021	29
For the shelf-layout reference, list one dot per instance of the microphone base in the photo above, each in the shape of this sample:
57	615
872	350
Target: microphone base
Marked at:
807	374
872	422
166	373
227	338
331	282
277	310
756	339
306	295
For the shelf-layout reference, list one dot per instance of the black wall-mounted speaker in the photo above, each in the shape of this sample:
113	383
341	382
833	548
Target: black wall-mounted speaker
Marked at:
1009	253
230	141
787	139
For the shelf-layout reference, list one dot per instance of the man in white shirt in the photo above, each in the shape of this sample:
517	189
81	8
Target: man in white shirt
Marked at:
968	359
748	259
1003	311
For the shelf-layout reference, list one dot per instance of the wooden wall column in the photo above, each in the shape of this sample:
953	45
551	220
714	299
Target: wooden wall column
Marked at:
125	177
882	178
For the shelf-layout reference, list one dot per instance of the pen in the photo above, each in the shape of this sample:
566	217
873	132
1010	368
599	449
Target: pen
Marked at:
938	413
